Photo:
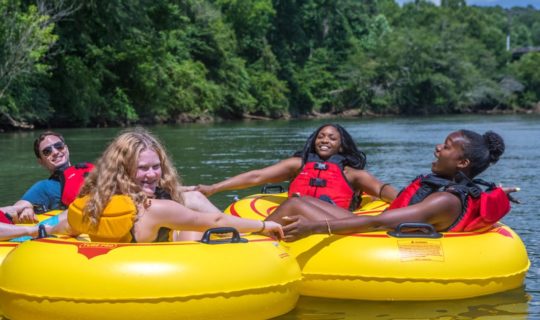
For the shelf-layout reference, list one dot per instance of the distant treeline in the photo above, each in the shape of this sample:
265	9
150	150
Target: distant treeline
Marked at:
115	62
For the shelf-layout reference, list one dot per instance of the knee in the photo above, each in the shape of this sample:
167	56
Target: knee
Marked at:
195	197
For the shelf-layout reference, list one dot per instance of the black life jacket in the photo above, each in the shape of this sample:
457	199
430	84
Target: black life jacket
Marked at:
480	209
164	233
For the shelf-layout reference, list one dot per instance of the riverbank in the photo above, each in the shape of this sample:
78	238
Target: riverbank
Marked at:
314	115
346	114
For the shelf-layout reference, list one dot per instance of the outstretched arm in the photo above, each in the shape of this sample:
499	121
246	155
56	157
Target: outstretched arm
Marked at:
281	171
9	231
170	214
63	227
440	210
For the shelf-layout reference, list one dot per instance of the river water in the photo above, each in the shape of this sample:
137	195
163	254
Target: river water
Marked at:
398	149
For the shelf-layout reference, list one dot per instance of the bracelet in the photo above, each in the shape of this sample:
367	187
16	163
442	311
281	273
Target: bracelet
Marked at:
328	226
381	189
263	226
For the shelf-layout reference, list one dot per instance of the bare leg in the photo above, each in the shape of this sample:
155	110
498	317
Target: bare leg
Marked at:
197	201
309	207
332	211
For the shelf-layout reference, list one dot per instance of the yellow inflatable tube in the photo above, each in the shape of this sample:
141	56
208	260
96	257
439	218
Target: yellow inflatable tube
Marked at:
377	266
7	246
380	266
177	280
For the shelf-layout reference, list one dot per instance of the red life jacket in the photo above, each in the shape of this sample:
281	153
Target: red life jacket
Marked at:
71	180
480	210
324	180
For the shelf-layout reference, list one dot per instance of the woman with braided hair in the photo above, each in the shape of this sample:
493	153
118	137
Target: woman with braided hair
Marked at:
329	167
449	198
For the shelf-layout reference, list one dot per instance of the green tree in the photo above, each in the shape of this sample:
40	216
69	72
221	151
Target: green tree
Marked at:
251	21
526	71
165	61
26	35
269	92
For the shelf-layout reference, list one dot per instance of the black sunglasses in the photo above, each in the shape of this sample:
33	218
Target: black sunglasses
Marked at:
48	150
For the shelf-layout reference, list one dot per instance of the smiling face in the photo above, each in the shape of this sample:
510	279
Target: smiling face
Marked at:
328	142
53	153
449	159
148	172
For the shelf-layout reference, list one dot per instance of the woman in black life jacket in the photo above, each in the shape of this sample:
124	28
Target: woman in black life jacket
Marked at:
329	167
463	155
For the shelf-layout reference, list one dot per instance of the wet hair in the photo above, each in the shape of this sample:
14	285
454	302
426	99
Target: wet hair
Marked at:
116	169
355	158
41	137
482	150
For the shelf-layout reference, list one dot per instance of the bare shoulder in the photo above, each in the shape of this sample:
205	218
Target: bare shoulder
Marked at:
442	202
161	206
442	198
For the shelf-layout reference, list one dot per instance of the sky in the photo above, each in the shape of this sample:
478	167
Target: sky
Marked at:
502	3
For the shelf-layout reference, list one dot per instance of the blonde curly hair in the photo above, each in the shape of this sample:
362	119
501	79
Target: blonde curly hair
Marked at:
116	169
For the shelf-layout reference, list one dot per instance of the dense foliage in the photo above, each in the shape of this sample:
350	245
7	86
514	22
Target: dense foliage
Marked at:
114	62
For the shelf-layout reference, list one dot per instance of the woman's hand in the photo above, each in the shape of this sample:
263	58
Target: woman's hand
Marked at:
273	229
298	227
509	190
27	216
205	189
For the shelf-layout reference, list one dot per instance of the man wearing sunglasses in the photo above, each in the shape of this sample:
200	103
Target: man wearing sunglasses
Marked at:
63	185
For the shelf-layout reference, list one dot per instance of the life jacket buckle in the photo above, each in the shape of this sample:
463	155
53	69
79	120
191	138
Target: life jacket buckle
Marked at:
320	166
317	182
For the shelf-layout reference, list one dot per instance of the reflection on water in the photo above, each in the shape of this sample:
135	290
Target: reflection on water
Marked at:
397	151
507	305
510	305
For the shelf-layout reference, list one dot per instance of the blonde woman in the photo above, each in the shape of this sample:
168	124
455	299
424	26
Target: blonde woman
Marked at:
134	195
